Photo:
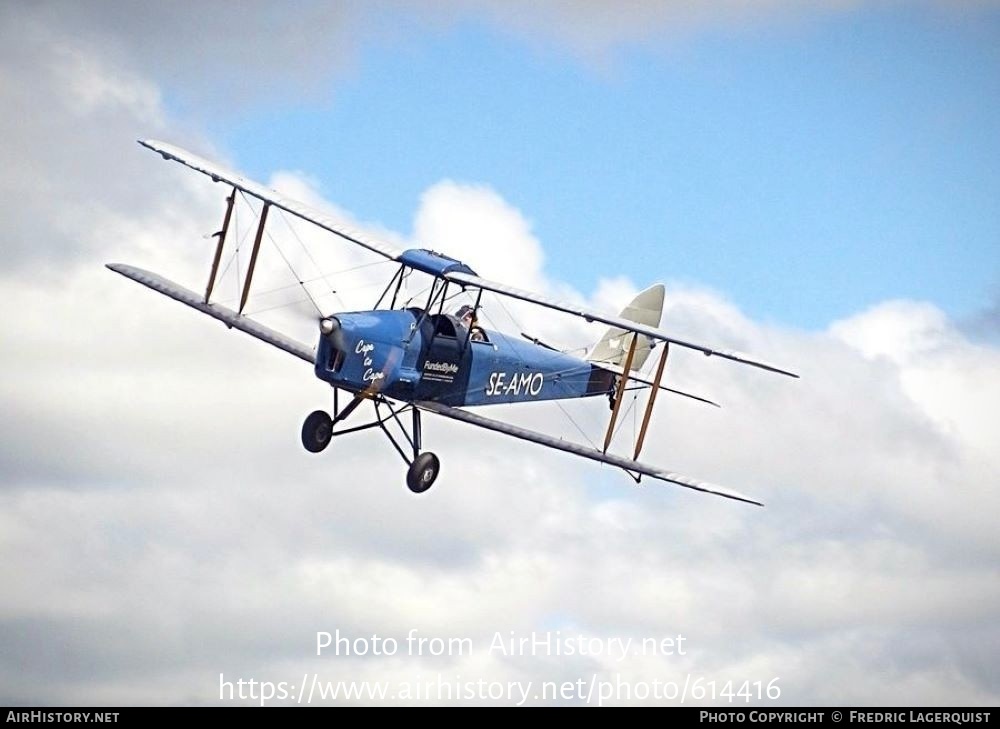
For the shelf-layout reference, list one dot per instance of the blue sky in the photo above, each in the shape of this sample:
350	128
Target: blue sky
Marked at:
805	170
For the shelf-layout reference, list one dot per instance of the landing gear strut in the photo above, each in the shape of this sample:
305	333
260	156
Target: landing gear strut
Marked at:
318	430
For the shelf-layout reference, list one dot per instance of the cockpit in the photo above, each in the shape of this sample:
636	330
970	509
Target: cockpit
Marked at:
445	325
456	326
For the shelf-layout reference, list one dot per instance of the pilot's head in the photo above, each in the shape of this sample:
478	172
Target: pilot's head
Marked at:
466	315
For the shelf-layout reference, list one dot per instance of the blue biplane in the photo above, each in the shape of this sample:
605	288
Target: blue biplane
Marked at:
406	360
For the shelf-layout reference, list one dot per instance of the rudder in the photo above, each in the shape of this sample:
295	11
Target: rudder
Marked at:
612	349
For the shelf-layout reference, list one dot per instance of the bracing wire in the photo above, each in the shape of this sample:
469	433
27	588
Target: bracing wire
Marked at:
236	251
635	416
292	269
561	408
576	425
323	276
280	306
296	301
310	256
624	419
236	257
278	289
233	256
420	293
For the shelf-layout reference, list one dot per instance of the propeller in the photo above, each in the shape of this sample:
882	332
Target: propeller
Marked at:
329	327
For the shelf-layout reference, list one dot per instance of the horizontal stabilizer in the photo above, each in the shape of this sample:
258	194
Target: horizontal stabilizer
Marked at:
216	311
650	383
548	441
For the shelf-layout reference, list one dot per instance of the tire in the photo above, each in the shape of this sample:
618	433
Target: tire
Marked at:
423	472
317	431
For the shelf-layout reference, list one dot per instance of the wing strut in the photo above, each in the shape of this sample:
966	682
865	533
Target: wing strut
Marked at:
652	399
621	392
253	256
221	235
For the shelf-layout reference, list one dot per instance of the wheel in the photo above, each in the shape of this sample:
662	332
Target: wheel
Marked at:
317	431
423	471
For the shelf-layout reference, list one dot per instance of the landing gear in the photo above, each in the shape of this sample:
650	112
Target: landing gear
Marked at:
317	431
423	472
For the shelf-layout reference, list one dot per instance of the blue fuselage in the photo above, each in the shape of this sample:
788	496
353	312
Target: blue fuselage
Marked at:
407	356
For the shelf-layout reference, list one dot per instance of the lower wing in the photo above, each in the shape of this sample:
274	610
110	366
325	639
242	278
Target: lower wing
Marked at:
548	441
216	311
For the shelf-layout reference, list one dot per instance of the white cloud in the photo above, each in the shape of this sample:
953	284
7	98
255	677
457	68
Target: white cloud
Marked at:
897	330
451	219
241	53
594	29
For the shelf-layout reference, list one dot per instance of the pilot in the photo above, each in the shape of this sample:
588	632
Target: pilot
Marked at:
467	315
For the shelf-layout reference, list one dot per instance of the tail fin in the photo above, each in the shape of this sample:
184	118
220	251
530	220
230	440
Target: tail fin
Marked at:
646	308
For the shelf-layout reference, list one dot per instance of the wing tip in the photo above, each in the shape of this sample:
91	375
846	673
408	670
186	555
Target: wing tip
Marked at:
730	494
125	269
161	148
744	358
786	373
734	495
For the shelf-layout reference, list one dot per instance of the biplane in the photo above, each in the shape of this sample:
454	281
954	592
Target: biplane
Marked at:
406	359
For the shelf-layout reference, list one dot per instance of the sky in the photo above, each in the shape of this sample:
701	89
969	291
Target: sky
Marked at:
788	165
816	184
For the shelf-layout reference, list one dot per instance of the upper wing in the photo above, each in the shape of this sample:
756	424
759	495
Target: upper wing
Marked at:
578	450
217	311
591	315
221	174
